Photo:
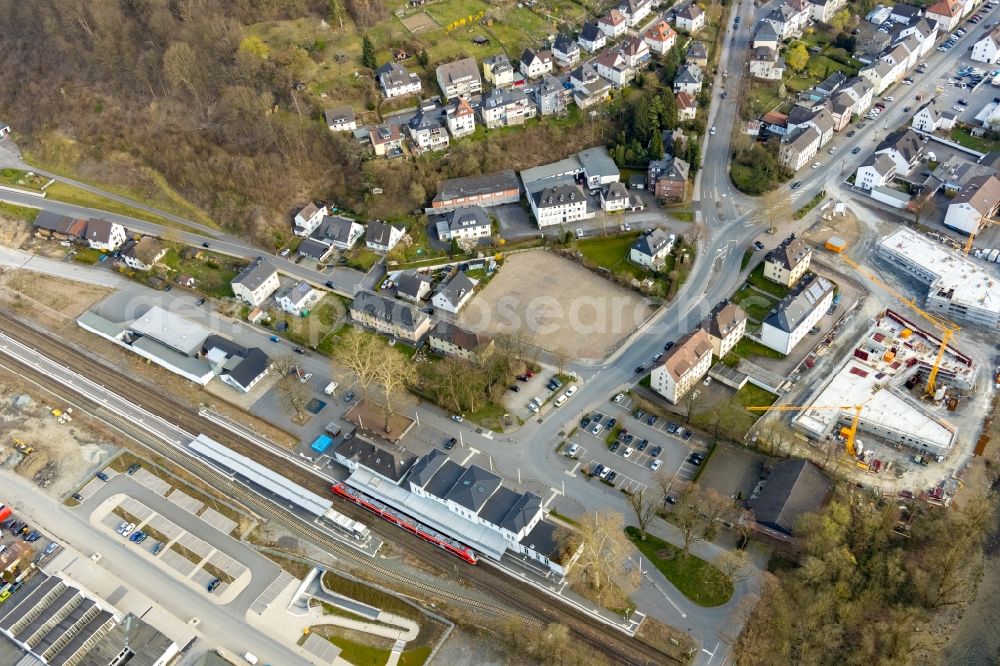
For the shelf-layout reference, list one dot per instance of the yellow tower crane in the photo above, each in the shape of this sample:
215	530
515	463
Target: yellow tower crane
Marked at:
848	433
983	222
947	328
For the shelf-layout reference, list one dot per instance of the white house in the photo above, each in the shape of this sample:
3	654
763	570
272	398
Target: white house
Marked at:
687	106
765	63
592	38
558	201
341	119
987	49
787	263
876	171
613	24
427	133
725	326
688	79
298	299
690	19
464	223
454	293
799	147
904	148
382	236
103	235
635	50
611	65
461	118
651	249
459	78
635	11
503	108
978	199
413	286
565	50
947	13
536	63
660	37
144	254
796	315
767	36
929	119
614	197
683	366
256	282
396	81
307	219
823	10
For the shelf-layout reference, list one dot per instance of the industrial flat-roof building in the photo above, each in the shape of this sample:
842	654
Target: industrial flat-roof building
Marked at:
491	189
957	287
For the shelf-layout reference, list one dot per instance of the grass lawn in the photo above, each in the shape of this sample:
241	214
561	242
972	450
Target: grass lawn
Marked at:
488	415
758	280
21	179
755	304
798	84
698	580
745	261
72	195
362	259
316	330
961	136
747	348
87	255
763	96
358	653
17	212
213	272
418	249
751	395
607	252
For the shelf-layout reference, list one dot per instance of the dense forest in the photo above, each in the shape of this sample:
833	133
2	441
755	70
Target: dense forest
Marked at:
115	90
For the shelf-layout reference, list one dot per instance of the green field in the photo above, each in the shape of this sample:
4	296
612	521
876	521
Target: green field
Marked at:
697	580
758	280
213	273
607	252
983	144
17	212
22	179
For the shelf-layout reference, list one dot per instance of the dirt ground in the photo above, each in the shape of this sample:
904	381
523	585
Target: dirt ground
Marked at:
62	452
50	300
845	226
556	305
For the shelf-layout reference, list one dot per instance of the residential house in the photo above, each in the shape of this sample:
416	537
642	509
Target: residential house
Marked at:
536	63
787	263
688	79
389	316
489	189
383	463
767	36
798	147
987	49
505	108
240	367
687	106
460	117
785	21
902	56
795	487
947	13
426	132
905	14
341	119
904	148
977	201
382	236
929	119
823	10
696	54
465	223
307	219
690	19
583	76
635	11
413	286
459	78
926	33
635	50
565	50
651	249
298	299
766	64
396	81
558	201
386	140
550	96
871	40
614	197
454	293
334	232
498	71
104	235
592	93
817	116
683	366
592	37
450	340
725	326
876	171
660	37
613	24
611	64
255	283
795	316
144	254
775	122
668	178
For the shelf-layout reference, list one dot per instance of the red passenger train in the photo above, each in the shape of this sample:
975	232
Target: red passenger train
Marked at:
386	513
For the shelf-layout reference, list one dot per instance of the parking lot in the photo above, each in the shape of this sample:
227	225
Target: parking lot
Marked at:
635	472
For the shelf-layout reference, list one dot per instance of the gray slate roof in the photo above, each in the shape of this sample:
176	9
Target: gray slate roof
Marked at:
794	488
388	310
409	284
474	488
426	467
457	288
650	244
797	306
488	183
378	232
255	274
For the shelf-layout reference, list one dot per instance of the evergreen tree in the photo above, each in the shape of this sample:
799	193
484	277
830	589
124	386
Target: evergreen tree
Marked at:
656	147
368	53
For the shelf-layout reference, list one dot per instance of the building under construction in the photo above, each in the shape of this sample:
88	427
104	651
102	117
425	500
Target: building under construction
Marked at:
892	358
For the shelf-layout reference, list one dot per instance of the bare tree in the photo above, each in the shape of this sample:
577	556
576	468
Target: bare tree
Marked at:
294	394
645	504
687	517
362	353
734	565
283	364
692	402
603	547
394	373
774	208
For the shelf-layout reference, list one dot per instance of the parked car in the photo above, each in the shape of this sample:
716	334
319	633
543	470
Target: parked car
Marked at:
102	476
598	470
136	536
274	338
696	459
450	444
34	535
856	150
596	429
643	443
686	436
128	529
51	548
299	350
639	369
522	378
655	451
515	388
201	301
668	346
638	414
619	398
457	418
612	476
615	446
579	233
133	468
214	584
611	423
656	465
651	421
628	452
157	548
349	396
585	422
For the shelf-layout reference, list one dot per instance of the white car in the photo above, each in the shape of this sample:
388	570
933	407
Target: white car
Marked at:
570	391
579	233
712	131
619	398
560	401
656	465
596	429
573	450
816	165
121	527
605	472
128	529
533	408
628	452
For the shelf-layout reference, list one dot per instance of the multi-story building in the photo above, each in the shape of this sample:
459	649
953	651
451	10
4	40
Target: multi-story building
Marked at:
459	78
767	36
454	293
565	50
765	63
550	96
464	223
144	254
388	316
876	171
930	119
668	178
987	49
104	235
787	263
823	10
614	197
635	11
450	340
297	299
382	237
689	79
975	204
690	18
613	24
396	81
798	147
635	50
592	38
903	147
796	315
491	189
498	71
651	249
427	133
558	201
947	13
687	106
696	54
460	117
307	219
683	366
725	326
611	64
536	63
386	140
660	37
506	108
255	283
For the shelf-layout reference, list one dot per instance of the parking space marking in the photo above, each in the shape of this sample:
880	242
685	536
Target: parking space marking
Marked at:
472	454
227	564
136	508
265	598
555	492
218	521
184	501
151	481
178	562
165	527
195	545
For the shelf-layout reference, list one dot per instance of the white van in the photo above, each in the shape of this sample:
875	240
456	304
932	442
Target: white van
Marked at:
560	401
330	388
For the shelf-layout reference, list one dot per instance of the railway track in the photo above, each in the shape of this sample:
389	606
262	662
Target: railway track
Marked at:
526	600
